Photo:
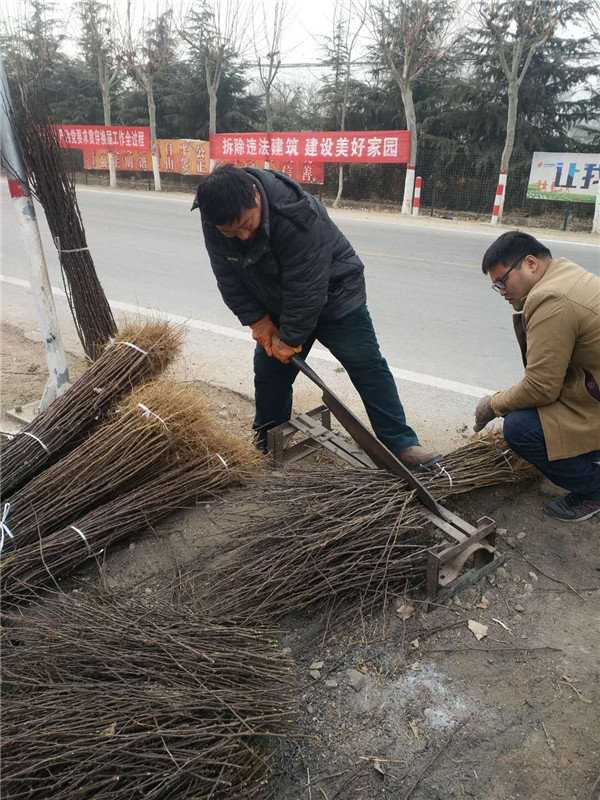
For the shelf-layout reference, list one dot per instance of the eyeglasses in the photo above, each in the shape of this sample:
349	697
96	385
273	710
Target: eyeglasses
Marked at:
500	285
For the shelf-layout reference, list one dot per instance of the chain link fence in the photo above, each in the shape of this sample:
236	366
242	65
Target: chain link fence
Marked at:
457	185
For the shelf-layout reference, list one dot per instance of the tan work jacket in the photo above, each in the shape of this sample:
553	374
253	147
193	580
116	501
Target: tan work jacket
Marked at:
561	322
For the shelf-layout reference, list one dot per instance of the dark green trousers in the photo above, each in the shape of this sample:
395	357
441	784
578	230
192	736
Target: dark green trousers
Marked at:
353	341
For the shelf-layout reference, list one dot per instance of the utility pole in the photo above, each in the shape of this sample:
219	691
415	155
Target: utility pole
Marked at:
58	371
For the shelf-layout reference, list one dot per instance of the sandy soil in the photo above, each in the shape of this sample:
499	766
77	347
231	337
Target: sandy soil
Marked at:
416	709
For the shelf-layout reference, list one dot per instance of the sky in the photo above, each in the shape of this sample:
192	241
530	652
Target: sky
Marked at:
306	21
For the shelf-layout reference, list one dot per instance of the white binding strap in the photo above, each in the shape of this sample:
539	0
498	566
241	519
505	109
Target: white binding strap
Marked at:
222	460
33	436
148	414
134	346
505	457
84	537
87	544
4	529
75	250
444	471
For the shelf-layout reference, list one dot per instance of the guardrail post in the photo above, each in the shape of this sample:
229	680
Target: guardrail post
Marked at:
417	197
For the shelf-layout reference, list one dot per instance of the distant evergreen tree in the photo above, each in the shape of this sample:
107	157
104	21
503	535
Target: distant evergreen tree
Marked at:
558	96
32	48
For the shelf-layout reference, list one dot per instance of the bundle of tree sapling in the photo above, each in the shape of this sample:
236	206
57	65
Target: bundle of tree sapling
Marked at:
106	697
52	183
140	352
26	570
344	533
158	425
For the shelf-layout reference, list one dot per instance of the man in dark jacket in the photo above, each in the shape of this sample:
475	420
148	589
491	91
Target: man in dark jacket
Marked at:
285	269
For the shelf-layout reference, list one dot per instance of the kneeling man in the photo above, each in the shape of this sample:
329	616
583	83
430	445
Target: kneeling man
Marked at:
552	416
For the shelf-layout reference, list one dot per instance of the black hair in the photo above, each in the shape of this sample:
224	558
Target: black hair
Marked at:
224	194
509	247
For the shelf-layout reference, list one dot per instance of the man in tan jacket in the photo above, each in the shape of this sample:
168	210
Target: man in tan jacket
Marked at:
552	416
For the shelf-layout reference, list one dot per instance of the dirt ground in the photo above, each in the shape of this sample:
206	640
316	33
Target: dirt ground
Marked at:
416	708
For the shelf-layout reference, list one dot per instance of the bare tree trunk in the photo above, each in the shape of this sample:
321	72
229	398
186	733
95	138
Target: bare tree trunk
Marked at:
154	146
112	180
338	196
212	85
212	110
509	143
511	124
269	116
212	117
268	111
411	123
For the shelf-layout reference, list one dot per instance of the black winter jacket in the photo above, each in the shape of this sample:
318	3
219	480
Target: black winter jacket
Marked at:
298	268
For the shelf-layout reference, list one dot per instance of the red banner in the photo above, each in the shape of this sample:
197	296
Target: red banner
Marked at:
113	137
383	147
301	171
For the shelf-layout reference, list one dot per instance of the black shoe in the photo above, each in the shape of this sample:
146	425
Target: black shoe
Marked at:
260	443
572	507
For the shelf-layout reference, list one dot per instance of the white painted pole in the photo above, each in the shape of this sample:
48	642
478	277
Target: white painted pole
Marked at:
58	371
596	221
409	187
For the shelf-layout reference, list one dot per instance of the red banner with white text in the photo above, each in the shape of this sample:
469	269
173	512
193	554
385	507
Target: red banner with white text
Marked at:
375	147
112	137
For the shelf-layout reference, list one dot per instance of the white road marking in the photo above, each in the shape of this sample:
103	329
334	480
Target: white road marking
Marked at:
234	333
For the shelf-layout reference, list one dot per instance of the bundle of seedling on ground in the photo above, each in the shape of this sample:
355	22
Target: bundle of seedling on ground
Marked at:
108	699
159	449
140	352
336	534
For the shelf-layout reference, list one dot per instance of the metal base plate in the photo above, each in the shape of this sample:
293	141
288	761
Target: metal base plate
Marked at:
24	414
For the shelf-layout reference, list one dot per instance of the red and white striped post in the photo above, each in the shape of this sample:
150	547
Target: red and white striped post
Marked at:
499	201
417	197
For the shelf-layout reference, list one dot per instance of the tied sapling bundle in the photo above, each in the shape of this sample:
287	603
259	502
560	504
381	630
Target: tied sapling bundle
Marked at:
52	183
204	478
158	425
140	352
